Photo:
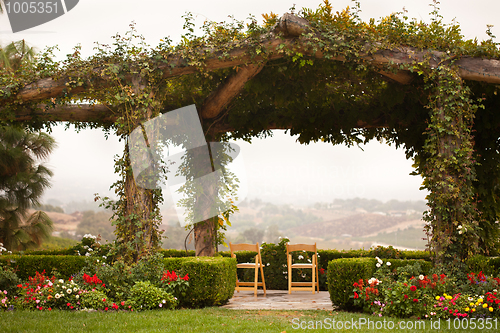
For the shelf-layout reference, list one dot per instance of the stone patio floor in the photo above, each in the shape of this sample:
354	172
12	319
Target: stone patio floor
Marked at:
280	300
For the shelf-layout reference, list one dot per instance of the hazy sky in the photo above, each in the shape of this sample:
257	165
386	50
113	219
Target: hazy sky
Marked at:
278	169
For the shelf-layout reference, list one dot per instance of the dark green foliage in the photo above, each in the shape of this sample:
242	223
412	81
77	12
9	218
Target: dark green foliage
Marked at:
8	279
22	182
342	273
211	279
480	263
61	266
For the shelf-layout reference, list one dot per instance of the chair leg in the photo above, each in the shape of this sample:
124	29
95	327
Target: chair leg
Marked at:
314	277
256	280
263	280
289	264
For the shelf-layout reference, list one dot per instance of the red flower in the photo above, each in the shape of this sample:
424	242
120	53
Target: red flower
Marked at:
356	295
413	288
69	304
355	285
322	271
406	296
186	278
106	309
122	303
415	300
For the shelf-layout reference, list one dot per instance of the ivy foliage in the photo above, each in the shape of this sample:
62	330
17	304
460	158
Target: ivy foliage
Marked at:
447	125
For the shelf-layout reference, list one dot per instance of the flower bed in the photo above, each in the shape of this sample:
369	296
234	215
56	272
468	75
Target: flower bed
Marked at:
408	292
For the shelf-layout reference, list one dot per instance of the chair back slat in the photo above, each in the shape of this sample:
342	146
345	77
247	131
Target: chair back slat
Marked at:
300	247
244	247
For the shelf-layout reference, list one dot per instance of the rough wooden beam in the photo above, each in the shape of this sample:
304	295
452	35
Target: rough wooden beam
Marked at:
220	98
476	69
83	113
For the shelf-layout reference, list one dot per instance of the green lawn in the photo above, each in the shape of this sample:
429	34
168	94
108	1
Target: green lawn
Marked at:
210	320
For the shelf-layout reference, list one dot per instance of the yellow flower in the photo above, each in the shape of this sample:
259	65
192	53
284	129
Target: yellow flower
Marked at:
471	304
480	300
445	295
467	309
485	305
448	297
473	309
491	309
437	298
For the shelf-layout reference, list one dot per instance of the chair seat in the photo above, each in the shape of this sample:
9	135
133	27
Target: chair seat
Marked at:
248	265
302	265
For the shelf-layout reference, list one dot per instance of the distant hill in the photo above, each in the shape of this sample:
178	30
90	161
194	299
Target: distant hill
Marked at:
350	226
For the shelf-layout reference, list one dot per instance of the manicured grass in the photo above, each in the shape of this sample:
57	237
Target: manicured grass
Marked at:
208	320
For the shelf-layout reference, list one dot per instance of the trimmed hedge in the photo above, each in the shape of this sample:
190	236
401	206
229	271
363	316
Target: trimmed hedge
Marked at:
212	280
172	253
27	265
342	273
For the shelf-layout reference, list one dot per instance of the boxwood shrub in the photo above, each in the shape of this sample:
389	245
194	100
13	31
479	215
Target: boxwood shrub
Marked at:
211	279
342	273
27	265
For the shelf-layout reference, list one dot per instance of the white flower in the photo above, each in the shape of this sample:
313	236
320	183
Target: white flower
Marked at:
57	296
164	301
61	281
268	264
301	257
75	289
378	259
460	232
378	265
309	260
104	257
77	296
87	254
421	277
97	260
85	247
459	227
69	291
160	305
388	263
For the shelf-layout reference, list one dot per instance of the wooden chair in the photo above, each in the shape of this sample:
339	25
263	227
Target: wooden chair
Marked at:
256	266
313	265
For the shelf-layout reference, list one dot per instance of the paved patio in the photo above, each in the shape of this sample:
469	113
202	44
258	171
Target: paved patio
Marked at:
280	300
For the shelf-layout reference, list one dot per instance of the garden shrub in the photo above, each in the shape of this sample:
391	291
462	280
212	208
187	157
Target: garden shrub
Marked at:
8	280
146	296
342	273
94	299
173	253
212	280
61	266
480	263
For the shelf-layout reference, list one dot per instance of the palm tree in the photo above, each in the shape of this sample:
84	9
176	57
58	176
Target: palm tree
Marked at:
22	181
15	54
22	178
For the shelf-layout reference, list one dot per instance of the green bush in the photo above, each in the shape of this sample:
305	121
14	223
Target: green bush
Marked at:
8	280
342	273
94	299
60	266
480	263
211	279
146	296
172	253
